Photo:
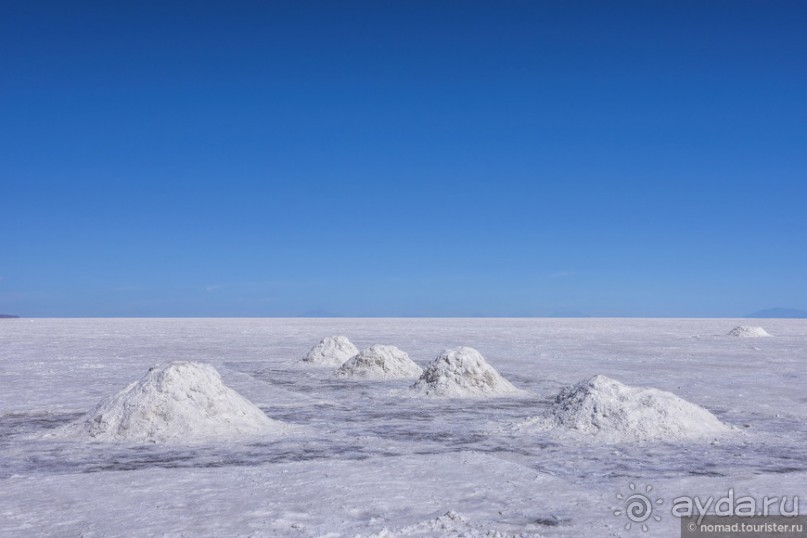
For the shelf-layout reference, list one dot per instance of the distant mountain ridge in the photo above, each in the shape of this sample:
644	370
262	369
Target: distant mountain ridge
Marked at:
8	316
779	313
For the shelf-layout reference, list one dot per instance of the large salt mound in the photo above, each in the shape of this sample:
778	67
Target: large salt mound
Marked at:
331	351
745	331
606	408
380	362
176	402
462	372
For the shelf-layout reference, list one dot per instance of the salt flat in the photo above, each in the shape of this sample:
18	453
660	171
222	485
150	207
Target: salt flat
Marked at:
369	458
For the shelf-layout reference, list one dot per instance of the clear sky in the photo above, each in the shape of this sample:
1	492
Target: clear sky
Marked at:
402	158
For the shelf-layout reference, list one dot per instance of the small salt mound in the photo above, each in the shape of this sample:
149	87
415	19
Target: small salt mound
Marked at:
331	351
745	331
462	372
380	362
606	408
449	525
176	402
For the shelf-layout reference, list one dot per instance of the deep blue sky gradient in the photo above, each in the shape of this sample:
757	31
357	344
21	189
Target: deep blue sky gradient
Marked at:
402	158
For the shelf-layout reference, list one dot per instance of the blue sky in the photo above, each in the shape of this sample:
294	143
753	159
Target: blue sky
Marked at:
402	158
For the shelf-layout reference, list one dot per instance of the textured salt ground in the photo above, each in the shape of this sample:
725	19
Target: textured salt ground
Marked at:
359	431
378	424
346	502
491	494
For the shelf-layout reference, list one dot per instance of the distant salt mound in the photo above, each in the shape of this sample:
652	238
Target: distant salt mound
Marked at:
462	372
603	407
331	351
380	362
176	402
745	331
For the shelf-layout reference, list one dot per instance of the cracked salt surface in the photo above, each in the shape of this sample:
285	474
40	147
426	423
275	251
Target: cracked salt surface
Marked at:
367	457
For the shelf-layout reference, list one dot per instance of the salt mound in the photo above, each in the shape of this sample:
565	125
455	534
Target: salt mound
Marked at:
606	408
380	362
331	351
449	525
462	372
176	402
745	331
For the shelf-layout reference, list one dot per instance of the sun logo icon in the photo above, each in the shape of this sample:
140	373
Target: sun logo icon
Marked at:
638	507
